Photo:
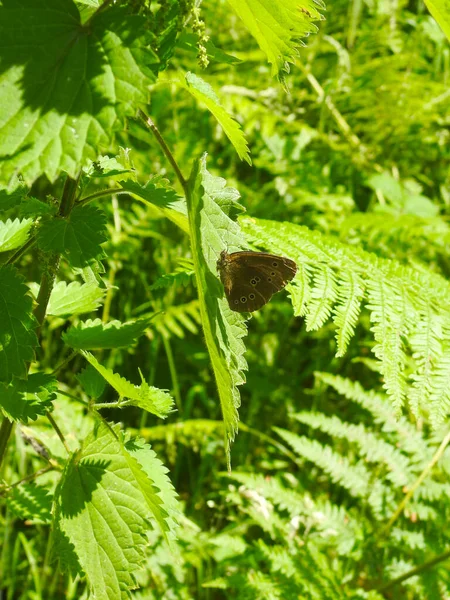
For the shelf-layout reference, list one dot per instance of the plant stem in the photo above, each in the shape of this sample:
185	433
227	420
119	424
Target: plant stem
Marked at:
58	431
151	125
415	485
45	289
173	374
5	432
21	251
107	192
415	571
6	488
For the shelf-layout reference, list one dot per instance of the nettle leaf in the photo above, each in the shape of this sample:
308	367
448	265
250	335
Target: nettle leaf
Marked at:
149	398
14	234
17	336
104	505
157	472
278	25
66	85
31	502
32	207
106	167
211	232
440	11
12	198
30	398
91	335
74	298
202	91
92	382
78	238
163	198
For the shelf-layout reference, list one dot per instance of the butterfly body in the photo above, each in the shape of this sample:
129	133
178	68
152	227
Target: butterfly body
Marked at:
251	278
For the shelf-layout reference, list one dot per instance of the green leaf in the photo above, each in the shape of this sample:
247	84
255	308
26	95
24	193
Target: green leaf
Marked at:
92	382
30	398
10	199
440	9
31	502
211	232
66	85
181	276
74	298
157	472
203	92
14	234
278	25
32	207
79	237
148	398
17	336
104	504
165	199
89	335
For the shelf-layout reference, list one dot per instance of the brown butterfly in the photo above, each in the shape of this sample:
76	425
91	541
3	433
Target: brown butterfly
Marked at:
251	278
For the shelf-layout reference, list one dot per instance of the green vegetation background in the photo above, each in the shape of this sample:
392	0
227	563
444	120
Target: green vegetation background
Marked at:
339	480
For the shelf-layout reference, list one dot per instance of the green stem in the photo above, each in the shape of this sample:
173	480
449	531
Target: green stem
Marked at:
47	282
5	432
271	440
107	192
440	451
151	125
173	374
21	251
58	431
415	571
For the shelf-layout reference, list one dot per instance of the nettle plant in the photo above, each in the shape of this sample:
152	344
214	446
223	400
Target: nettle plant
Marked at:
76	82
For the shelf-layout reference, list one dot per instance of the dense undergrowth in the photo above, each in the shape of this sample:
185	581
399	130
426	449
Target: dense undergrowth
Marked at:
154	443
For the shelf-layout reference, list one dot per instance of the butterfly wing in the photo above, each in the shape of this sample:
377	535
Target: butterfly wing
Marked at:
251	278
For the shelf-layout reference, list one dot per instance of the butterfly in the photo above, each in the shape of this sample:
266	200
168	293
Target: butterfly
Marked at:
251	278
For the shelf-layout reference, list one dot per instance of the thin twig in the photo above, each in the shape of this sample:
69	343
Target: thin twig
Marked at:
6	488
100	194
21	251
415	571
151	125
415	485
58	431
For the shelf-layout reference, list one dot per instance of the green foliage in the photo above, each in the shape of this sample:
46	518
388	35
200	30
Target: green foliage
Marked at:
111	304
66	98
277	26
89	334
223	329
74	298
144	396
17	336
104	502
27	399
202	91
14	234
78	238
406	306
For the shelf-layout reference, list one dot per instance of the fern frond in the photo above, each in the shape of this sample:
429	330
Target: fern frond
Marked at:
388	329
427	350
347	309
397	297
323	295
407	437
354	478
372	447
178	318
